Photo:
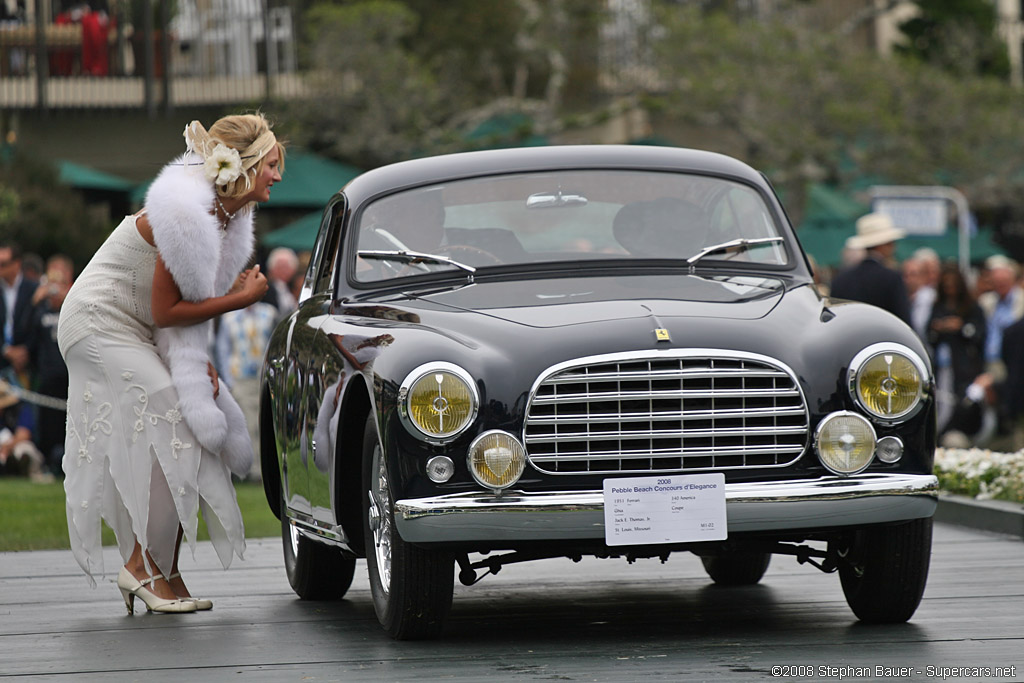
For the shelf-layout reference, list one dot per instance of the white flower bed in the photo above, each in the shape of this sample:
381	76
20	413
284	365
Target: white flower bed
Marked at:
981	473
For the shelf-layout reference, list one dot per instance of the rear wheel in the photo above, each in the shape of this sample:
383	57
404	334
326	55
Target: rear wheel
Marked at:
887	571
736	568
412	588
315	571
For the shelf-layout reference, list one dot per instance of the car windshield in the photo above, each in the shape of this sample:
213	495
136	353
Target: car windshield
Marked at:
525	218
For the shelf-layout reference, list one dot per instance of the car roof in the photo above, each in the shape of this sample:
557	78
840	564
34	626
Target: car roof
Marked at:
468	164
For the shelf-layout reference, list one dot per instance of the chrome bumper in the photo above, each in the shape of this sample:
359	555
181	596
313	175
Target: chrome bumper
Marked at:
800	504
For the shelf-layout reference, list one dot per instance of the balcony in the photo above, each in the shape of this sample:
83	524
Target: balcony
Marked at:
229	52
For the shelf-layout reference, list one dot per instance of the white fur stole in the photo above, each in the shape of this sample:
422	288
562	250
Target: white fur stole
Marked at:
204	261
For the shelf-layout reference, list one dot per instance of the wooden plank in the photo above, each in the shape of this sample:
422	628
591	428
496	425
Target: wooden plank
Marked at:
595	620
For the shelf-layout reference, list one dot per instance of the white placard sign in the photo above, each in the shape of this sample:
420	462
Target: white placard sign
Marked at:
669	509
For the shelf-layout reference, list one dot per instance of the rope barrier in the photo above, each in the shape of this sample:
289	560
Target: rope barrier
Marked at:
34	397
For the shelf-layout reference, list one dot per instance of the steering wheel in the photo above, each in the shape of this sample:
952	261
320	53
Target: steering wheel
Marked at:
480	257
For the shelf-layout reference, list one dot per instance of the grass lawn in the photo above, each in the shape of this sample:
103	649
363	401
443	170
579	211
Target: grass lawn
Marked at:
32	515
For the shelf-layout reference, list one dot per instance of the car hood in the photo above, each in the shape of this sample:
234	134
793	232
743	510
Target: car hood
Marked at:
560	302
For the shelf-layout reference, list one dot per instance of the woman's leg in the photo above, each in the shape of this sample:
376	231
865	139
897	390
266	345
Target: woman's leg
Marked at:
176	583
136	565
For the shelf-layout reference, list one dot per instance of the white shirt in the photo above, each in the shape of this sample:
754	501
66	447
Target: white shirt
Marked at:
921	309
10	299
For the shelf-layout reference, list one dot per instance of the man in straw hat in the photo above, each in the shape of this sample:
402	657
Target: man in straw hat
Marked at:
872	281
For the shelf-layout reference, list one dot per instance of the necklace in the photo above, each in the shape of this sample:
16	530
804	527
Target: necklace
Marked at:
227	216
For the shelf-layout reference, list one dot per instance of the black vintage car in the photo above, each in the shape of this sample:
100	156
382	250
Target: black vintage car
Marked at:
601	351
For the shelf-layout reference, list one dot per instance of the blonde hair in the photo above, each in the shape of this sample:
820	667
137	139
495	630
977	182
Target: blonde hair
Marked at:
241	131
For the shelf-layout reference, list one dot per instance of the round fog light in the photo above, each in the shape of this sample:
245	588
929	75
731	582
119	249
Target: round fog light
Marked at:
440	469
845	443
496	459
889	449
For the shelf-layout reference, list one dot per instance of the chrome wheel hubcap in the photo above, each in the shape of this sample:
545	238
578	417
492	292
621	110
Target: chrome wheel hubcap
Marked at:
379	520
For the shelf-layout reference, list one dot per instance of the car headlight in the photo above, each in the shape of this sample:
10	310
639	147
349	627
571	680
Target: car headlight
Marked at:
845	442
496	459
888	381
438	401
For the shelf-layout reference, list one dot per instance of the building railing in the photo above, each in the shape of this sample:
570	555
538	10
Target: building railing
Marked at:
216	52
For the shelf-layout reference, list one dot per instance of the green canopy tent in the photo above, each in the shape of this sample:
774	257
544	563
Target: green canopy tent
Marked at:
98	187
830	217
86	178
299	235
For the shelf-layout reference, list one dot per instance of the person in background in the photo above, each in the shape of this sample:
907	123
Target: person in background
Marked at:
240	345
956	333
1003	306
16	292
32	266
50	374
282	266
18	454
929	258
922	295
1012	396
872	281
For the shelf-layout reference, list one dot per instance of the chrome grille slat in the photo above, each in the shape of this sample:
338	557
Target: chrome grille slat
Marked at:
602	418
640	395
664	434
687	410
569	378
661	452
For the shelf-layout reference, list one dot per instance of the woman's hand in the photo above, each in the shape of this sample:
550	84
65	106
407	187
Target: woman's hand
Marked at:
214	378
252	284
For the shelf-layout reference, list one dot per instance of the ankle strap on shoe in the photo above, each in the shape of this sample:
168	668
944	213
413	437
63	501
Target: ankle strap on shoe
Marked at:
151	579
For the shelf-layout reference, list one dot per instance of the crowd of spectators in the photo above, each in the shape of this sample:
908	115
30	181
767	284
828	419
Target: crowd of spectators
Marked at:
972	325
32	431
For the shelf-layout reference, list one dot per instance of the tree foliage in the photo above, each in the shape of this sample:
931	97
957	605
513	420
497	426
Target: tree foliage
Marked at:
959	36
43	216
375	101
400	78
809	106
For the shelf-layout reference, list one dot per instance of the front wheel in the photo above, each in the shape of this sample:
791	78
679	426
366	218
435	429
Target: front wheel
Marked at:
412	588
315	571
886	571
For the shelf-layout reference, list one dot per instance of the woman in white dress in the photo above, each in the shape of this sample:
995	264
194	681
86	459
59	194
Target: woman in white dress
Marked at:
151	436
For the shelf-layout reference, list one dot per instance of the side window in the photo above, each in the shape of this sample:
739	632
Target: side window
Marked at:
322	262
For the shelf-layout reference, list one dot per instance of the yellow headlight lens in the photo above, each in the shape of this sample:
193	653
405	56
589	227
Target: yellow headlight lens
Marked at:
889	385
496	459
845	442
441	404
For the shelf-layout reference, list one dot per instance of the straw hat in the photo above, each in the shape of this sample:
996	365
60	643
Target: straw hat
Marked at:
873	230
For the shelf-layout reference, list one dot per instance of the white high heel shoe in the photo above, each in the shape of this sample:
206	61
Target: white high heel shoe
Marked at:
132	587
200	603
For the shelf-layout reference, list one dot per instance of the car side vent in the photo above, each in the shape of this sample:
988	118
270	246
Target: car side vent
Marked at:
688	412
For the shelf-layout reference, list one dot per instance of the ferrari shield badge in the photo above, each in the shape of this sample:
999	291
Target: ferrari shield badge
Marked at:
661	334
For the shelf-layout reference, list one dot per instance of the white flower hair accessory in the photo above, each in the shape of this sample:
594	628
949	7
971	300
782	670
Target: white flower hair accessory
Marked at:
223	165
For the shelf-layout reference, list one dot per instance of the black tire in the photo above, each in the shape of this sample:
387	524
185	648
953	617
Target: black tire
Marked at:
315	571
412	588
888	570
736	568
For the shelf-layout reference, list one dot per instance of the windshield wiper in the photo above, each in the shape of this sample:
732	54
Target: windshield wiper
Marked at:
415	258
738	245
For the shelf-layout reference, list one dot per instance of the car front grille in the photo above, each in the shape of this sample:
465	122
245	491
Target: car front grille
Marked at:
683	411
